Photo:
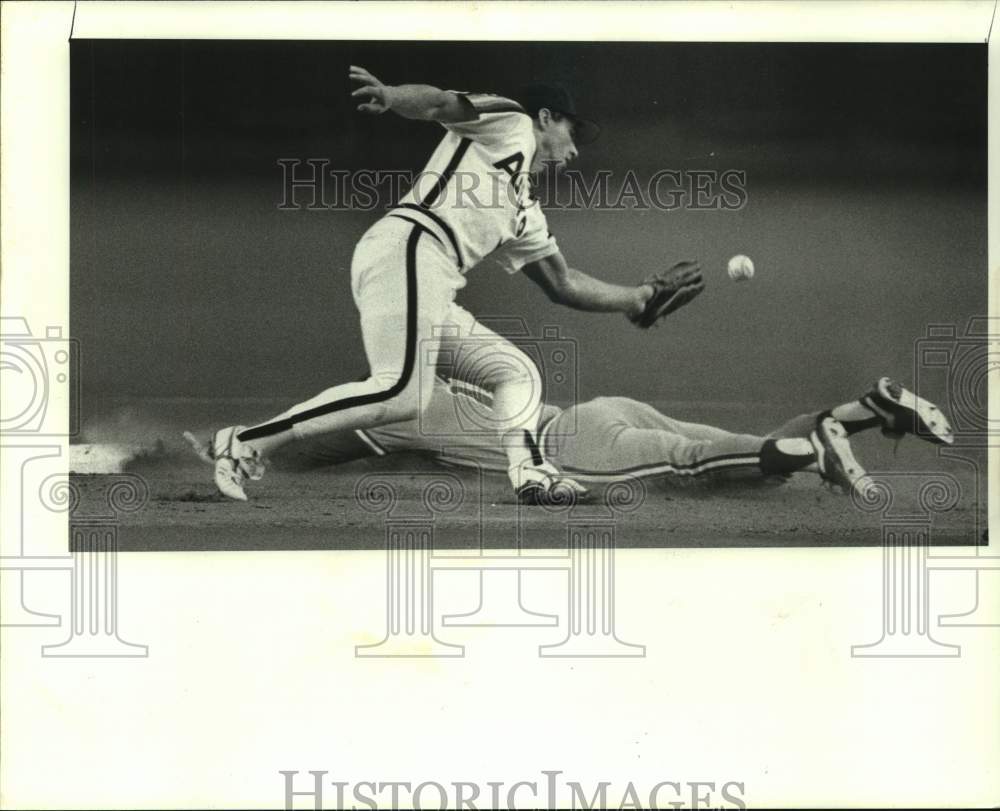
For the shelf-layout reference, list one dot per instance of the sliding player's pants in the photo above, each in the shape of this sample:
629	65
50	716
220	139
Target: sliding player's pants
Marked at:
615	436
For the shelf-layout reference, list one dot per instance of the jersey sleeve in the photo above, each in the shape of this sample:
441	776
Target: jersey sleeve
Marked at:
535	243
498	120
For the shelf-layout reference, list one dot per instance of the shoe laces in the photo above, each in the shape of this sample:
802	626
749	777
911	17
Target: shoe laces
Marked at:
252	466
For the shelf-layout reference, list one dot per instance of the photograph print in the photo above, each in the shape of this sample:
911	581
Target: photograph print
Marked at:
723	293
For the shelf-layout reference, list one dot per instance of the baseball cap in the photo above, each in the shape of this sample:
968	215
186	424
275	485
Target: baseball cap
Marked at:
555	97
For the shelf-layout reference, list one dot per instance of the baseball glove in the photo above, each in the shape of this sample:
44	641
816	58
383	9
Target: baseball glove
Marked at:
671	289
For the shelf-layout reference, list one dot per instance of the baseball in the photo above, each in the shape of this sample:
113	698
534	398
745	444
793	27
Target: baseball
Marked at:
740	268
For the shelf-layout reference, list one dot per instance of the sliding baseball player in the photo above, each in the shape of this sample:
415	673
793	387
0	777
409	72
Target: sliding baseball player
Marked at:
610	438
472	202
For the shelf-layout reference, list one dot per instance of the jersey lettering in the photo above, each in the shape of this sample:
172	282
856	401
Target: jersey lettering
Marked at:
512	165
493	213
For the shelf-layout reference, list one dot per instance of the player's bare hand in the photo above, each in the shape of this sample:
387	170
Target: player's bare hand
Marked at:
376	93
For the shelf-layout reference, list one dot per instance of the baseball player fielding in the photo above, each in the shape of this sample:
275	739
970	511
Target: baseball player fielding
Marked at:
408	267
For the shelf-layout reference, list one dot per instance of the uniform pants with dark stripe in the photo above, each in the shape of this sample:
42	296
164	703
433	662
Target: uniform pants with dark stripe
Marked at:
404	285
616	434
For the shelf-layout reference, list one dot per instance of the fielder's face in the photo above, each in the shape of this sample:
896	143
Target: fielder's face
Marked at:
554	136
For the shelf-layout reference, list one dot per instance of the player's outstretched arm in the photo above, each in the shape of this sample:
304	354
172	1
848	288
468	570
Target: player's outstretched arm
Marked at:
418	101
643	305
574	288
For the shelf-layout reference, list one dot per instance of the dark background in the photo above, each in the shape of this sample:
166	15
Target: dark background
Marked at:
866	212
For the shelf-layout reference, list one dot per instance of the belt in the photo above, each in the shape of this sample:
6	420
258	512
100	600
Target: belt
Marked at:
438	228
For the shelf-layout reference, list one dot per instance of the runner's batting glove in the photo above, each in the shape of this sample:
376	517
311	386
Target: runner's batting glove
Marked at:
671	289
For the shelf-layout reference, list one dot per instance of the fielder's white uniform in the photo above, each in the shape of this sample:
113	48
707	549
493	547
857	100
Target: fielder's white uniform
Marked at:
471	203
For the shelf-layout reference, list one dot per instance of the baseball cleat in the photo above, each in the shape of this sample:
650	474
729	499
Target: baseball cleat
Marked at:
900	412
544	484
234	462
835	458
